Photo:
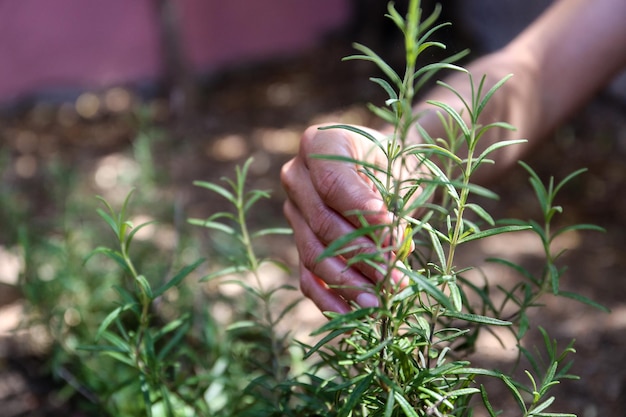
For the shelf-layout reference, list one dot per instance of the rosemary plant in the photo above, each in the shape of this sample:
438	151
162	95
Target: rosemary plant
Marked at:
405	357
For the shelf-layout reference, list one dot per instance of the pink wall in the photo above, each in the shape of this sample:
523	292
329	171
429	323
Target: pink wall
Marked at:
67	44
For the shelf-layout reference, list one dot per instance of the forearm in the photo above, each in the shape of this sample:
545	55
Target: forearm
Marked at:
575	48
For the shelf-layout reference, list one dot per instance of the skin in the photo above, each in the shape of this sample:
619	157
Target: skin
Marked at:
559	62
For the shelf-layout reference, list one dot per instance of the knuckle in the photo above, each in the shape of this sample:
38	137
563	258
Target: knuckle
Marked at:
331	186
309	253
323	225
287	175
306	285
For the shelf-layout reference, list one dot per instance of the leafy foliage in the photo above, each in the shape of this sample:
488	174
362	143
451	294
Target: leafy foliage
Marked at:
405	356
157	351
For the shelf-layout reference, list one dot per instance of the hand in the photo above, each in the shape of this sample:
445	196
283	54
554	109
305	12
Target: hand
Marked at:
319	193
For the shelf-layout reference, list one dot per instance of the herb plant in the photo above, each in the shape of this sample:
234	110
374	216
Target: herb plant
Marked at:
406	356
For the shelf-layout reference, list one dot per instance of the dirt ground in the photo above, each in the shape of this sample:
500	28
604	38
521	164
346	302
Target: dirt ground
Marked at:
260	110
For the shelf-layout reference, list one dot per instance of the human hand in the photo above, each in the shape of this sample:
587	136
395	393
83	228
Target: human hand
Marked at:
319	193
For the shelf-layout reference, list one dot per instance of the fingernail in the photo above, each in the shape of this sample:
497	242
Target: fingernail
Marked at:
399	277
366	299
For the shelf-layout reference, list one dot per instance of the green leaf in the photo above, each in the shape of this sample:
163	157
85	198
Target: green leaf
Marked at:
183	327
148	350
492	232
530	358
516	394
475	318
479	190
126	296
520	269
524	324
177	279
273	231
585	300
434	237
445	64
170	327
391	401
578	227
119	357
134	231
217	189
356	395
395	17
383	113
430	20
423	39
430	148
330	336
346	321
540	191
440	176
455	116
110	253
421	283
488	406
235	269
430	69
254	196
102	348
369	136
145	391
536	411
145	286
165	395
109	220
340	158
386	86
108	320
455	295
123	212
486	128
409	411
287	309
568	179
554	276
372	56
462	392
490	93
496	146
243	324
213	225
118	342
435	394
481	212
106	204
376	349
348	241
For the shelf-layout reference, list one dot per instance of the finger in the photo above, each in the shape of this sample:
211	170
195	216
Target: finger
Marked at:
347	283
306	209
339	184
323	297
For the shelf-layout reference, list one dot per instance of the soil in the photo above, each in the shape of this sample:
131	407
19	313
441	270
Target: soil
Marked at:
260	110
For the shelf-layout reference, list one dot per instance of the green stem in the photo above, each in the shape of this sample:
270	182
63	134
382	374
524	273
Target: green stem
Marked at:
253	265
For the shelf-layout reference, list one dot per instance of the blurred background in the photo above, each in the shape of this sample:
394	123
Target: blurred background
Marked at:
98	98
